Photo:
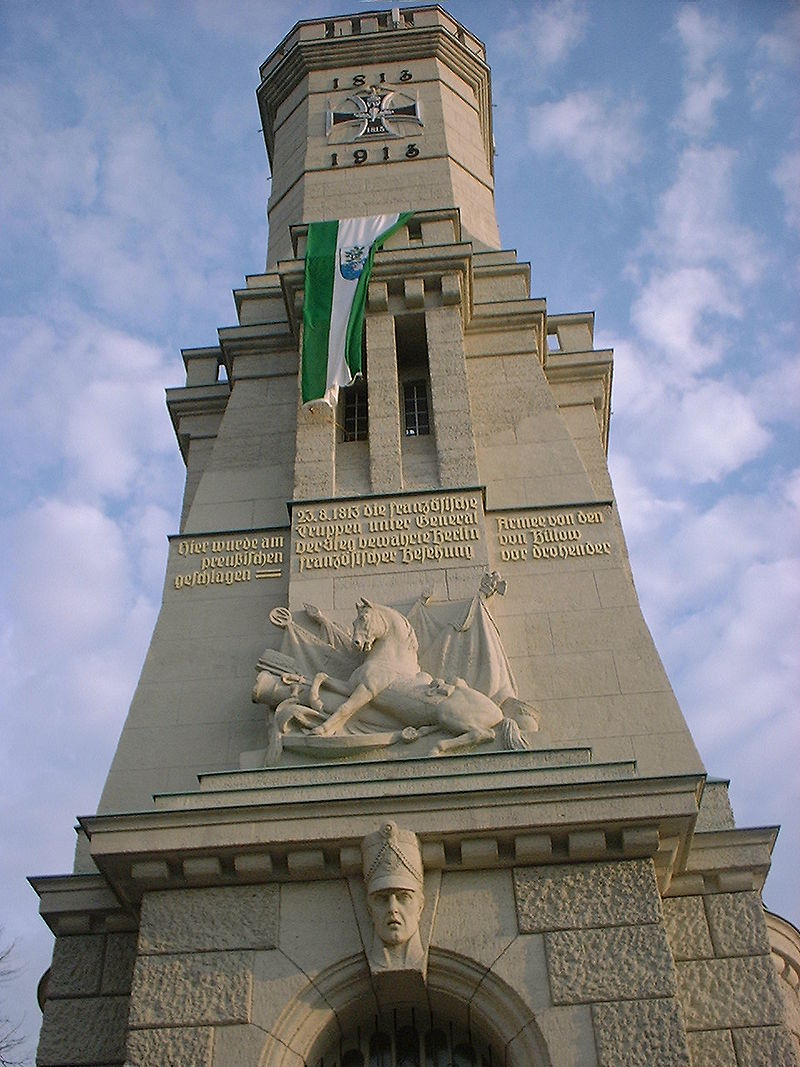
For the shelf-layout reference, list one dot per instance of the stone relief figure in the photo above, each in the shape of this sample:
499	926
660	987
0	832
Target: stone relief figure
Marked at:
393	878
332	692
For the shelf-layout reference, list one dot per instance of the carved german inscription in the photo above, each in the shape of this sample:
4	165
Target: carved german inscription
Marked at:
373	533
227	559
559	533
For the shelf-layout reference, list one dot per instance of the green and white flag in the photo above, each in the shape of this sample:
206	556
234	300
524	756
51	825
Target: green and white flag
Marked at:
339	257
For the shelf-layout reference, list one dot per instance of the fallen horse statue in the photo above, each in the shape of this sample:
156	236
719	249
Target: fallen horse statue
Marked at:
320	706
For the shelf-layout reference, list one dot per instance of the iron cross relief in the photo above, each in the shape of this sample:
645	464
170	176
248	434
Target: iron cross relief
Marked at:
375	113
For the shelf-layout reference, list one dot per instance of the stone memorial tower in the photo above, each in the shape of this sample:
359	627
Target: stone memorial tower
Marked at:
404	780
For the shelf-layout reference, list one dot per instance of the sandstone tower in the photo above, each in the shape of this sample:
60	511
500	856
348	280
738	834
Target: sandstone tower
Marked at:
474	828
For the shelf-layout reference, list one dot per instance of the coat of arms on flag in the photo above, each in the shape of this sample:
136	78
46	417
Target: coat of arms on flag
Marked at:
339	255
352	261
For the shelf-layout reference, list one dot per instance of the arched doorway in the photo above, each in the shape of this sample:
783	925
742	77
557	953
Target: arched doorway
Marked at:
467	1017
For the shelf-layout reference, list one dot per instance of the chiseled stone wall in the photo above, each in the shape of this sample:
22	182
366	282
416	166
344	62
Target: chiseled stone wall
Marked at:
726	981
217	967
606	948
197	950
608	974
86	1012
584	945
609	977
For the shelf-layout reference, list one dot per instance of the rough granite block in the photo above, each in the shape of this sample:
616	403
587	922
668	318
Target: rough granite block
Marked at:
737	925
77	966
622	963
199	920
712	1048
177	1047
90	1030
579	897
716	994
715	808
765	1046
640	1033
118	963
216	987
687	928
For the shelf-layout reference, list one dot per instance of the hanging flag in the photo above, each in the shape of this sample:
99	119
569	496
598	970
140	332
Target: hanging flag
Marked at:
339	257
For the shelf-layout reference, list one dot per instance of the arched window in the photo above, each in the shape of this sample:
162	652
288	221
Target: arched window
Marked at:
404	1041
336	1022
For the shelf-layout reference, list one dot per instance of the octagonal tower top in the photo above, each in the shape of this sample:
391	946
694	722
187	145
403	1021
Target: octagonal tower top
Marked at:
378	112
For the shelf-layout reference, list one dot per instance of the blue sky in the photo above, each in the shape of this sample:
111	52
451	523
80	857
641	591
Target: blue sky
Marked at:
648	166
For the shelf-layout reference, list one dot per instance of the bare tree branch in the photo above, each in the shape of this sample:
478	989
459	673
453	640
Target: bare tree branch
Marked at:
11	1039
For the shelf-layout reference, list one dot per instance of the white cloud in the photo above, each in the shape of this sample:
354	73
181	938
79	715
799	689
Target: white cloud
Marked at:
638	387
696	117
792	489
94	408
705	85
545	37
722	581
781	44
672	418
775	390
711	432
147	528
44	168
725	645
679	312
697	217
776	54
702	36
71	567
109	193
644	513
787	177
699	433
601	135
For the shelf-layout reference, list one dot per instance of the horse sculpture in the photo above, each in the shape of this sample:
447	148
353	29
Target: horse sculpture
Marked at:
390	645
390	680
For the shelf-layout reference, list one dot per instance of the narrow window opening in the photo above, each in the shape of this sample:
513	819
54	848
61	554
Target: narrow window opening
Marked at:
415	408
413	375
414	230
354	410
353	413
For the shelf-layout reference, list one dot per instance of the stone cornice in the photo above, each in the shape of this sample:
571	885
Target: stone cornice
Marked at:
270	349
306	823
187	402
498	315
509	813
726	861
80	904
432	263
593	367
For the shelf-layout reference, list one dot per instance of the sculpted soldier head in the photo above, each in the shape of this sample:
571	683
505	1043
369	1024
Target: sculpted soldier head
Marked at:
394	879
